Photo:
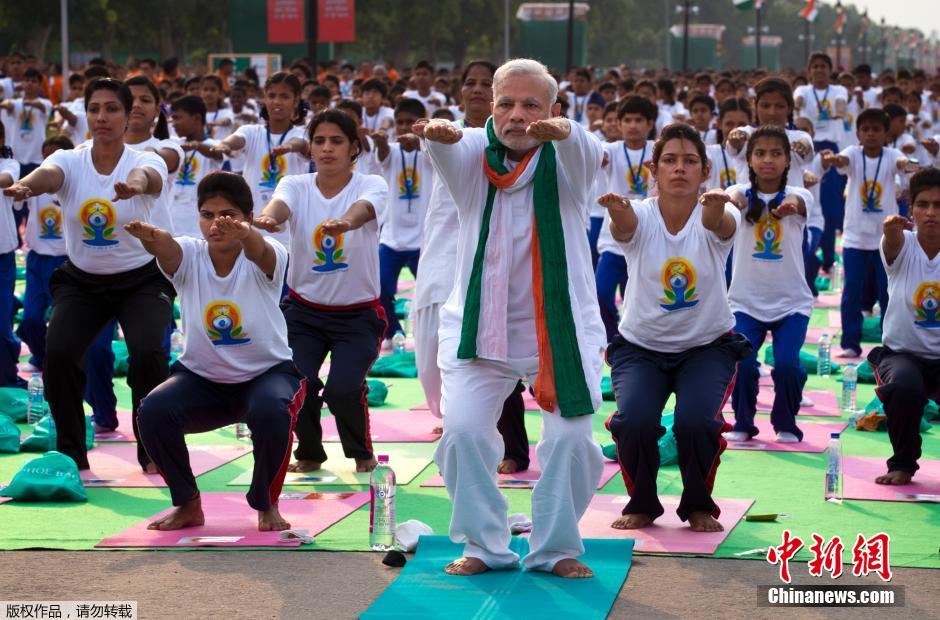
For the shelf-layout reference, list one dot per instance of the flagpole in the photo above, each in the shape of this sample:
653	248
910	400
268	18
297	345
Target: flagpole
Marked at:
838	37
685	35
757	12
806	43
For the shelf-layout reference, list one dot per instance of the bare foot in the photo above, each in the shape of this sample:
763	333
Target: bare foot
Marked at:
704	522
571	568
632	522
302	466
366	464
507	466
151	468
464	567
438	430
270	520
895	477
187	515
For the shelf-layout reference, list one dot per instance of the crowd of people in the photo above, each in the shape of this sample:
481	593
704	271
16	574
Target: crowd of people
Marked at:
281	215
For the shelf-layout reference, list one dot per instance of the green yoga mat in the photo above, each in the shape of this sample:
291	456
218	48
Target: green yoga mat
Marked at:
424	590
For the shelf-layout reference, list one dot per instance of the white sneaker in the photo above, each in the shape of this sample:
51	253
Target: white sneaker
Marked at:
807	402
736	436
763	371
27	367
787	438
850	352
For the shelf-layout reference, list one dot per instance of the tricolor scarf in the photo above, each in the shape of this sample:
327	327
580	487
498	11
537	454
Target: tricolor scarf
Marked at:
560	381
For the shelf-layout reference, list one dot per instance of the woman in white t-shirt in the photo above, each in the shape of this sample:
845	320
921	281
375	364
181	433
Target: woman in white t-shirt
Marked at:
9	346
768	286
333	302
108	274
908	365
675	335
236	365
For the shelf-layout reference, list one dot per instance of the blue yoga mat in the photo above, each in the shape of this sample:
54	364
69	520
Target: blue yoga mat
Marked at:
424	590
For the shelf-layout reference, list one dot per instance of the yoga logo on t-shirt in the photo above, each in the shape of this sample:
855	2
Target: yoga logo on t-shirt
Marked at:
187	173
926	302
825	110
638	179
727	178
26	120
272	169
98	218
329	252
871	197
409	184
50	223
768	232
678	285
224	324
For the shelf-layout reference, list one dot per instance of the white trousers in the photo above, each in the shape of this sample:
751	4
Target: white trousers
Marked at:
471	448
425	323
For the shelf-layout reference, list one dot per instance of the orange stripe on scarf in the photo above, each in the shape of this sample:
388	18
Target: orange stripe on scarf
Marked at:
504	181
545	393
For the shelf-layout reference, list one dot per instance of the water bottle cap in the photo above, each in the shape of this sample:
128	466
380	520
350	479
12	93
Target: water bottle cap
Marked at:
833	435
383	458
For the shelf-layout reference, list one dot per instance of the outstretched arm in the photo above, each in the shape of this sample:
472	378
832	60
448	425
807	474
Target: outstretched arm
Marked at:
255	247
47	179
357	215
159	243
714	217
893	241
623	219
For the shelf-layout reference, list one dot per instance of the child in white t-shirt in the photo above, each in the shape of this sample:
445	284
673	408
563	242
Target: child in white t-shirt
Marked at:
220	122
9	345
236	364
28	116
199	160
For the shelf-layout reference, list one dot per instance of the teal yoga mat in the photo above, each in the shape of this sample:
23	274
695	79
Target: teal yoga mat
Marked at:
423	590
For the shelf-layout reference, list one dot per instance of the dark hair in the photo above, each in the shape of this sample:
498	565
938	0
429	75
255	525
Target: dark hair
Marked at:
583	72
819	56
876	116
162	131
289	79
117	87
228	186
32	74
445	113
775	85
606	86
477	63
191	104
171	64
411	106
377	85
893	110
96	71
668	88
862	69
320	91
636	104
755	206
724	80
342	120
704	100
892	90
611	107
352	105
423	64
904	74
60	140
214	79
924	179
731	104
680	131
303	68
75	78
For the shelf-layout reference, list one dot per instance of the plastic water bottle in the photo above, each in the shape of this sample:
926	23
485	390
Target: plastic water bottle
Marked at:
398	342
834	467
382	507
242	432
823	366
36	407
836	278
176	343
849	384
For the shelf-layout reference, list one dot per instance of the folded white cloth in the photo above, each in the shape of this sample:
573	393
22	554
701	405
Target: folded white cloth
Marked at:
302	535
519	523
408	533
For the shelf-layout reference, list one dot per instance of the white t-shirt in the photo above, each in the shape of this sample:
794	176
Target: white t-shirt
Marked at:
374	122
769	277
726	169
44	226
8	238
798	163
79	131
862	228
709	136
95	239
183	211
912	321
29	130
425	100
409	177
814	216
223	131
326	270
631	179
232	326
577	108
819	106
849	133
675	297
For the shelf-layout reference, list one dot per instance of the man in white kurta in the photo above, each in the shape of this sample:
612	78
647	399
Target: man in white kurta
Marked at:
474	389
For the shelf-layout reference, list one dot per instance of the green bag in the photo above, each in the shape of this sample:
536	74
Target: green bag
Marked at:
9	435
378	392
866	374
119	348
401	308
823	283
43	438
395	365
871	329
878	407
931	411
808	361
14	403
607	389
53	477
176	312
668	450
20	272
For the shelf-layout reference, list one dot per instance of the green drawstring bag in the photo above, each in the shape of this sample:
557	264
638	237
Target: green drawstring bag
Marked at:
931	411
14	403
176	312
401	308
43	438
668	450
877	407
378	392
9	435
53	477
823	283
20	272
866	374
871	329
607	389
808	361
395	365
119	348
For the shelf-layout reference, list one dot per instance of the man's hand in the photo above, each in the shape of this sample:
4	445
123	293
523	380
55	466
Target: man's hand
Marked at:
439	130
282	149
809	179
221	149
789	206
896	224
801	148
614	202
549	130
931	145
231	229
737	139
409	142
189	146
18	192
334	228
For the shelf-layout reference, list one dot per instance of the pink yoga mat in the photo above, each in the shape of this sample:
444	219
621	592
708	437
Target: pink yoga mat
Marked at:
860	473
835	319
527	479
231	522
115	464
815	437
826	300
124	431
813	334
390	425
4	500
406	286
668	534
824	403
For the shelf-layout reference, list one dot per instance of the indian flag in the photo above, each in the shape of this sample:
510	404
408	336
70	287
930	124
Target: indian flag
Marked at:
744	5
810	11
840	21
